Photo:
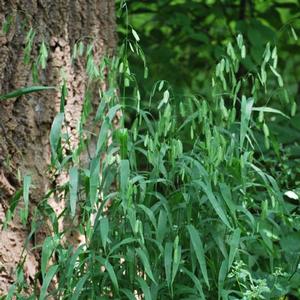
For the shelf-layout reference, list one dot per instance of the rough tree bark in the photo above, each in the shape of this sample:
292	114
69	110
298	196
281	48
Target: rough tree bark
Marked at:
25	121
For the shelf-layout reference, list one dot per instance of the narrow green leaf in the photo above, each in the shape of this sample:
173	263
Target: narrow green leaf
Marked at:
63	96
26	186
71	263
102	138
234	245
100	110
270	110
112	112
43	55
128	294
149	213
227	196
176	257
215	203
7	24
168	262
161	226
222	277
50	243
122	243
80	48
145	263
25	90
11	292
79	286
74	52
199	251
55	133
112	275
124	176
13	203
94	180
15	200
51	272
196	281
145	288
73	186
122	136
104	229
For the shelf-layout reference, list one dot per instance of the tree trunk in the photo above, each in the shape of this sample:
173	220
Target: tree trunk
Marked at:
25	121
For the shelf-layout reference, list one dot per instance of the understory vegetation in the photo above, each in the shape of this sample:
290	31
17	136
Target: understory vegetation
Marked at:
177	197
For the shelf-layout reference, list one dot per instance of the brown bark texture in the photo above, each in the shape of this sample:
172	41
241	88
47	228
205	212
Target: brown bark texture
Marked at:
25	121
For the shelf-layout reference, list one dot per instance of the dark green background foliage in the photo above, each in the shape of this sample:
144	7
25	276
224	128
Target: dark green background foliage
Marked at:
182	39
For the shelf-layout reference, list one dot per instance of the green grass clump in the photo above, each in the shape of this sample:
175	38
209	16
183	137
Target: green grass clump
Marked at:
179	201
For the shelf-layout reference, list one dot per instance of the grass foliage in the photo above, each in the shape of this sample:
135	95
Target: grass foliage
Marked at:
184	201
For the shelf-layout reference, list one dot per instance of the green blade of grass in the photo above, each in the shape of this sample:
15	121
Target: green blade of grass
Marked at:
55	134
176	258
112	275
110	271
199	251
145	288
234	244
11	292
270	110
26	186
227	196
149	213
124	177
161	226
48	247
168	262
73	186
50	274
215	203
128	294
25	90
79	286
72	261
94	180
102	138
125	241
144	259
221	278
104	229
196	281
